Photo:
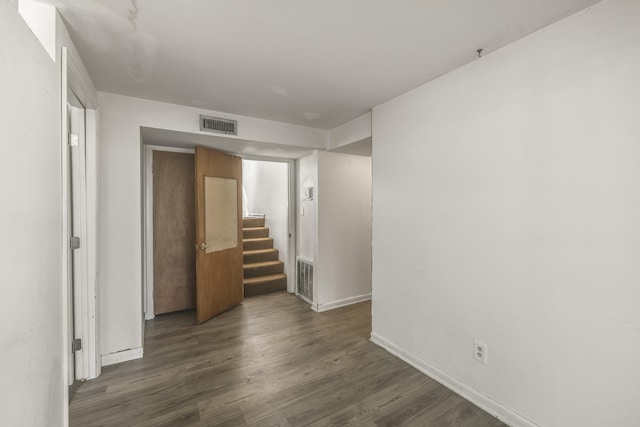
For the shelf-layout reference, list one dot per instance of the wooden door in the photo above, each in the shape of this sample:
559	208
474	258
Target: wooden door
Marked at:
218	232
174	231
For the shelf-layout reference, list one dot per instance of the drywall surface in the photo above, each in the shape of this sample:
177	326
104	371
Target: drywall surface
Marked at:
120	249
506	209
31	365
41	18
266	186
307	177
344	229
119	241
174	117
355	130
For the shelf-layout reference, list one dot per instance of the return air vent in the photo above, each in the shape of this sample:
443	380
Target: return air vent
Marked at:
217	125
305	278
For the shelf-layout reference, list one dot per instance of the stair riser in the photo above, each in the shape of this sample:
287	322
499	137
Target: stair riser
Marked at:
252	222
263	257
265	287
254	233
263	270
260	244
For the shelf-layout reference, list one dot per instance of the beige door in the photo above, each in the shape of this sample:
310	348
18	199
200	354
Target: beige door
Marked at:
174	231
218	232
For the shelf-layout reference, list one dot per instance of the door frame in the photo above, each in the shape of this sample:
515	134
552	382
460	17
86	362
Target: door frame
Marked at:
85	310
147	227
291	247
147	218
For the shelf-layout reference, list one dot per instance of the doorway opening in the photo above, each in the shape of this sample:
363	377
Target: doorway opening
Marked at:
79	193
265	197
79	190
170	242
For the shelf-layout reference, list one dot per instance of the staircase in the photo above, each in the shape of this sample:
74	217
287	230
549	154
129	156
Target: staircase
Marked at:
263	273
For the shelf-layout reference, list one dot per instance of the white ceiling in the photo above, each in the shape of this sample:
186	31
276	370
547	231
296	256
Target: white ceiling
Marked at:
316	63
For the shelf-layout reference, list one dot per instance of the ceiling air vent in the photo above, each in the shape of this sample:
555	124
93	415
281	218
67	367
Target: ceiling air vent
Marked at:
217	125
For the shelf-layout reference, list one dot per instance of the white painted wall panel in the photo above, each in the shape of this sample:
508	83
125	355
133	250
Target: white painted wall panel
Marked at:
31	351
506	209
344	228
355	130
307	176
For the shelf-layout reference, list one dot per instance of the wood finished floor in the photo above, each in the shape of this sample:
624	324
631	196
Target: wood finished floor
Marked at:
269	362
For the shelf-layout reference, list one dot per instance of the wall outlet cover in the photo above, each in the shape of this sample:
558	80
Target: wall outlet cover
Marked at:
480	351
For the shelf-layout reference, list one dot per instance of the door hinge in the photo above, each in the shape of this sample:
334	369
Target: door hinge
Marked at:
76	345
74	243
73	140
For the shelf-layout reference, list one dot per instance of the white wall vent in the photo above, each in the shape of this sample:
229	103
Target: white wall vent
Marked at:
305	278
217	125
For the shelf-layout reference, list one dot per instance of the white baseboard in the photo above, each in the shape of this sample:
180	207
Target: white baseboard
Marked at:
489	405
303	298
341	303
312	305
122	356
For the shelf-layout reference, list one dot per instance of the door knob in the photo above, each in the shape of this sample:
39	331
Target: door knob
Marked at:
202	246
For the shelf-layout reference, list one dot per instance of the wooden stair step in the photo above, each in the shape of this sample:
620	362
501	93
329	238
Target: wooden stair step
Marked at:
255	232
250	222
260	255
265	284
259	243
263	268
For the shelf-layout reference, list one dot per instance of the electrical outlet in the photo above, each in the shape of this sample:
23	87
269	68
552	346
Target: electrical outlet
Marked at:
480	351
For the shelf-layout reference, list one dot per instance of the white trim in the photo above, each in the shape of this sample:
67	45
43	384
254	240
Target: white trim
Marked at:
122	356
291	212
64	249
504	414
292	237
170	149
343	302
303	298
147	229
90	339
263	158
147	248
80	256
305	259
86	314
316	237
78	82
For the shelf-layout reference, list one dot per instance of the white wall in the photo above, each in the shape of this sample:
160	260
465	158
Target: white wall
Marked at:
506	208
41	18
353	131
343	264
31	351
307	176
335	230
120	250
266	186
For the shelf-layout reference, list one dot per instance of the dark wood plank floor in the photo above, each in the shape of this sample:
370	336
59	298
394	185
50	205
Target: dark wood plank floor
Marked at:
269	362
